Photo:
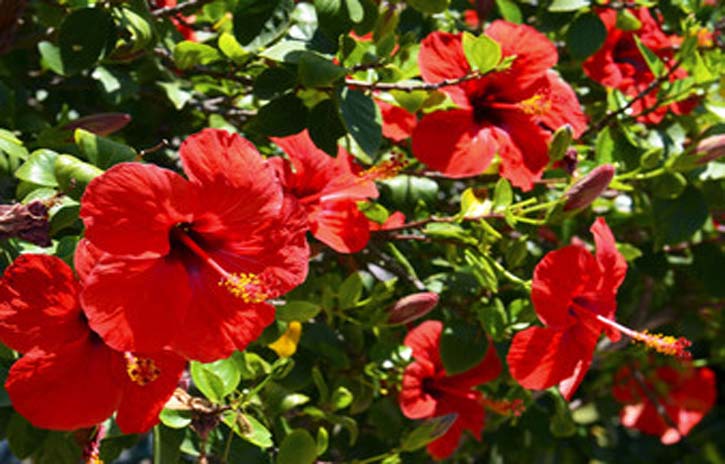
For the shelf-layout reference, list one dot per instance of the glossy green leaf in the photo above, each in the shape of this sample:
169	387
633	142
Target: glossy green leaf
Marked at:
73	175
362	119
585	35
259	22
297	448
325	126
430	430
462	346
84	37
482	52
285	115
39	169
429	6
298	311
676	220
188	54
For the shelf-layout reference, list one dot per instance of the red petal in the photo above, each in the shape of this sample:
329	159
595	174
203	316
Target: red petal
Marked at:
414	402
562	106
136	304
131	208
140	405
424	341
39	304
535	54
340	225
541	357
471	417
398	123
441	57
236	183
611	261
558	278
85	258
452	143
70	388
523	148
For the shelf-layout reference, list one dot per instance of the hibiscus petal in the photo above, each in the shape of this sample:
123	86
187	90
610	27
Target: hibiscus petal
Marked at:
440	58
398	123
541	357
414	401
39	304
471	417
141	404
523	148
611	261
451	142
130	209
227	165
136	304
85	258
340	225
67	389
560	105
424	341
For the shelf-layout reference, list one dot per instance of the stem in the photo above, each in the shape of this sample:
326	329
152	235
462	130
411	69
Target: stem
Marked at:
179	8
511	276
412	87
378	457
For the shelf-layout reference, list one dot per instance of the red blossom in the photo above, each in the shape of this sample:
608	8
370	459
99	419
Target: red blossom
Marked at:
428	391
683	394
574	295
181	22
188	264
68	377
619	64
394	221
328	188
398	123
511	113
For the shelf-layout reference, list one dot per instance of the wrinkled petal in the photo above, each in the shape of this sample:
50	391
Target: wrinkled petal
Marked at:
559	277
67	389
440	58
541	357
471	417
415	402
130	209
141	404
398	123
340	225
613	264
452	143
523	148
85	258
136	304
424	340
39	304
560	105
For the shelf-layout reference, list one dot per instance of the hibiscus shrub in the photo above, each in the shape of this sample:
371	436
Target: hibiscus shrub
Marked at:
362	231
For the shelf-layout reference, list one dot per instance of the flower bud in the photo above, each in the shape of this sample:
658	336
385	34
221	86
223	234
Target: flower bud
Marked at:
588	188
710	148
101	123
28	222
411	307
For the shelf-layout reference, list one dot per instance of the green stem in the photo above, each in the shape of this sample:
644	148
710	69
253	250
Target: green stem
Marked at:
377	458
513	278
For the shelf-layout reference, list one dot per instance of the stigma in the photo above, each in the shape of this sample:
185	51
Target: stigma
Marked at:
141	371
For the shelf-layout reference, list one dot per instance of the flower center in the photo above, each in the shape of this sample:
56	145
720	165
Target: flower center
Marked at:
142	371
246	286
665	344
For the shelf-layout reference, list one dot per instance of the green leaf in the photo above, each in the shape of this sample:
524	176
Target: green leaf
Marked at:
350	291
84	37
510	11
101	151
676	220
362	119
297	448
627	21
585	35
231	48
167	444
562	424
249	428
298	311
39	168
50	55
273	82
259	22
322	441
429	6
188	54
341	398
560	142
462	346
654	63
73	175
669	185
314	70
217	379
57	448
325	126
503	195
333	17
355	10
285	115
22	437
430	430
175	419
178	96
562	6
482	52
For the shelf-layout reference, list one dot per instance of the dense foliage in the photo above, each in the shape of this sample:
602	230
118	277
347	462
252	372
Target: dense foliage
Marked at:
362	231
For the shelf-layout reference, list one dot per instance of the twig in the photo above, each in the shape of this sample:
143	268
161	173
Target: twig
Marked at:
179	8
412	87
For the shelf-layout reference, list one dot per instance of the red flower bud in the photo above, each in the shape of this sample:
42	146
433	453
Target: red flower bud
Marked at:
710	148
588	188
411	307
28	222
101	123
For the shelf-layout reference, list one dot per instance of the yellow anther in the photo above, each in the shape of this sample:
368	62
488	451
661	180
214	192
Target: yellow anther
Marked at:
536	105
141	371
665	344
245	286
385	170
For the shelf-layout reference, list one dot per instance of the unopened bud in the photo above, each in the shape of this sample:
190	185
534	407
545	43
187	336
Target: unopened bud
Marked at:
28	222
588	188
411	307
710	148
100	124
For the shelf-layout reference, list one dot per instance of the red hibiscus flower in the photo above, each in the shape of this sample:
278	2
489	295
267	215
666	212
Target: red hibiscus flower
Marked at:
329	189
398	123
669	402
512	112
427	391
394	221
179	21
189	263
619	64
574	295
68	377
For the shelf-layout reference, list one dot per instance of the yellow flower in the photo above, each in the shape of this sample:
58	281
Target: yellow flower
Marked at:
286	345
